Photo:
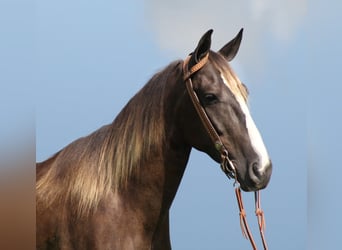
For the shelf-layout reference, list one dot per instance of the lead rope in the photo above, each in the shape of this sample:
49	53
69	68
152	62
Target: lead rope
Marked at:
261	218
246	232
226	165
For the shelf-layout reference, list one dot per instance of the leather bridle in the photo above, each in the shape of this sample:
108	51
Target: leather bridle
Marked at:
226	164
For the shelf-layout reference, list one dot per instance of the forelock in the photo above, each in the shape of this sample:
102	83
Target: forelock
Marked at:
228	76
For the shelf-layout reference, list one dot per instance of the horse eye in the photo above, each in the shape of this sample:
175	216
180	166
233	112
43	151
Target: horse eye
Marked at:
210	99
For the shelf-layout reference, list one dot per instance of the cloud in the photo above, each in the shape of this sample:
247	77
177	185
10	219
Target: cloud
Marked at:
178	24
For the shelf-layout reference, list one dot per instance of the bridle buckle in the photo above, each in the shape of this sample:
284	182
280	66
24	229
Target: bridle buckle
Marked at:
227	165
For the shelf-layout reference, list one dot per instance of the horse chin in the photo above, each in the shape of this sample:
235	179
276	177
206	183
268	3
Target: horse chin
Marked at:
248	187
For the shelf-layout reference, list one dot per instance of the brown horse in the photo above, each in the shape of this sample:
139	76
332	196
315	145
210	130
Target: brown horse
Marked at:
113	188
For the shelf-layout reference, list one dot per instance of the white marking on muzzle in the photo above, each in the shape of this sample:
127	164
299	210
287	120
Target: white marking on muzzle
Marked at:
255	137
253	132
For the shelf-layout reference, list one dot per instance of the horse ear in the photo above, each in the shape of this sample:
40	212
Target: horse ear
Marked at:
230	50
202	48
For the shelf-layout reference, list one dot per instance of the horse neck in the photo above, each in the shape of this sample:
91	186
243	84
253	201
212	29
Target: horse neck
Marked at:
163	172
154	189
176	150
175	164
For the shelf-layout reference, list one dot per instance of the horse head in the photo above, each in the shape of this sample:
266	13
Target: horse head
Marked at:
224	100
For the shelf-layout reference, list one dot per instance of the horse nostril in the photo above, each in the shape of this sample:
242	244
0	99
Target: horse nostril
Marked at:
256	170
258	174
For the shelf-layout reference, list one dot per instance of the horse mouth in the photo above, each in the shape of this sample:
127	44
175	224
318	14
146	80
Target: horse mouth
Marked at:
254	182
248	180
251	188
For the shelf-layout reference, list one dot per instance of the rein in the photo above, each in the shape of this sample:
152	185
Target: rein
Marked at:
227	165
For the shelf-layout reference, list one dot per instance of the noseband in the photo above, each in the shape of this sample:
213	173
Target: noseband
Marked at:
226	164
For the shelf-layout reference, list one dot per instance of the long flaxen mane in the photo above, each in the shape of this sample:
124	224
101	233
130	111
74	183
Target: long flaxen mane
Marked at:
91	167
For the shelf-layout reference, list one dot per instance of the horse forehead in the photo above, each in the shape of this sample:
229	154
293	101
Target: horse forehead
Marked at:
215	75
234	85
210	77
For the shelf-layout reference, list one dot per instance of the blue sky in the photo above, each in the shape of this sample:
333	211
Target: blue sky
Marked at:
89	58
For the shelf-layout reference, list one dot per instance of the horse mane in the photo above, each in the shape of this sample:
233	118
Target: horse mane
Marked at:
88	169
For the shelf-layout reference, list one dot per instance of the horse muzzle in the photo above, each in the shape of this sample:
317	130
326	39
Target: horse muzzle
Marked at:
256	177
